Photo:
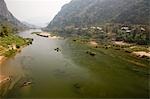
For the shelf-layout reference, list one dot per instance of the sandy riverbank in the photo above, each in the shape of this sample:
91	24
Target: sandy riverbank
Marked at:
93	43
2	58
121	43
4	79
46	34
53	37
142	53
50	36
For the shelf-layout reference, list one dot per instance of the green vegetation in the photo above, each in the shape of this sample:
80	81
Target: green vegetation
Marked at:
108	49
138	34
127	38
10	53
9	42
12	39
6	29
128	49
133	37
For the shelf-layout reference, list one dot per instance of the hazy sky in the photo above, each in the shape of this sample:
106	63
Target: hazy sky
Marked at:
38	12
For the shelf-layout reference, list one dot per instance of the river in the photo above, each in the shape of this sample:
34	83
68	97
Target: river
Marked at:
71	73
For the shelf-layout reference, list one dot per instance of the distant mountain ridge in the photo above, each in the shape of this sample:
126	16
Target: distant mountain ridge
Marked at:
30	25
6	16
94	12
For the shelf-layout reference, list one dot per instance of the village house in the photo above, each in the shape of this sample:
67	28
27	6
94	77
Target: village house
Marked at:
93	27
128	31
142	29
99	28
125	28
84	28
76	28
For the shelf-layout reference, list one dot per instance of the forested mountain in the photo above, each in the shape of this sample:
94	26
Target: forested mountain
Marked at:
81	13
7	17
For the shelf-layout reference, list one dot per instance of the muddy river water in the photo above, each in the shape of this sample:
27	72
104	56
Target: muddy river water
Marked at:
71	73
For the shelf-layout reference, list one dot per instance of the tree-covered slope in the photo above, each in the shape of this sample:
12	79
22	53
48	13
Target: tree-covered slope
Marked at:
94	12
7	17
137	14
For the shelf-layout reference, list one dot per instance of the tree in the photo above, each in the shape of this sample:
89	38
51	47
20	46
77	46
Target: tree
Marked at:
5	30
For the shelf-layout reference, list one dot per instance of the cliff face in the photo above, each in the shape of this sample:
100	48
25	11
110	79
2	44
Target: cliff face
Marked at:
94	12
6	16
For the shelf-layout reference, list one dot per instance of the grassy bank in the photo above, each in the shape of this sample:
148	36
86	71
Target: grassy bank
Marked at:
128	48
135	43
11	43
132	39
106	55
110	67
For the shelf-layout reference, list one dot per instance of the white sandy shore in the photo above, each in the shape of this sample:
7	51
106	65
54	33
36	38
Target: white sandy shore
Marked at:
53	37
93	43
45	34
142	53
121	43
